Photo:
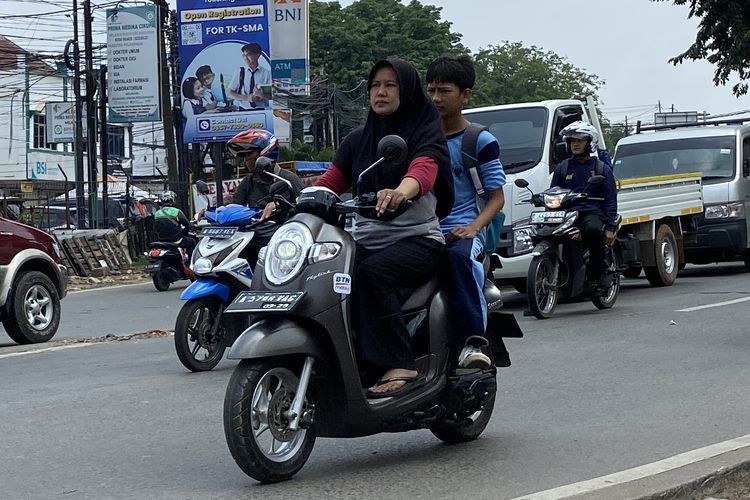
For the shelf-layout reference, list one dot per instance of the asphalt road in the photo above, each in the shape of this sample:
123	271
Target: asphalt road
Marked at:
118	310
589	393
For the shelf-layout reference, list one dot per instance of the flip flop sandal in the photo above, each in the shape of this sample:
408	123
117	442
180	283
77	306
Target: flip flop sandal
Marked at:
411	384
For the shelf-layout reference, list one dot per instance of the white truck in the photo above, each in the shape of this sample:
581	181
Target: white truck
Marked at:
658	212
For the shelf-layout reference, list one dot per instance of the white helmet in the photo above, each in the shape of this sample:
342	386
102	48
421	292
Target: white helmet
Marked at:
168	197
581	130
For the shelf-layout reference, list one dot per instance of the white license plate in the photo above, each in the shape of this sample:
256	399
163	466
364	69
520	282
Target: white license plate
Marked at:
217	232
547	217
264	301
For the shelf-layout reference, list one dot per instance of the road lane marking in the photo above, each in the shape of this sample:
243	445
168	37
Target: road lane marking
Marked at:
717	304
49	349
640	472
96	289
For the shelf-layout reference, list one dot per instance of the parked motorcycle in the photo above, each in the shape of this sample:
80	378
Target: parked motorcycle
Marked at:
223	263
559	267
298	377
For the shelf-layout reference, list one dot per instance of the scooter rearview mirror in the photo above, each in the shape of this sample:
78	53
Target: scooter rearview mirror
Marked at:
264	166
522	183
202	187
278	187
596	180
392	149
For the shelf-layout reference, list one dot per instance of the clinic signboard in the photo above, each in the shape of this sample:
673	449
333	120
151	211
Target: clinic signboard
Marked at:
225	68
60	121
133	64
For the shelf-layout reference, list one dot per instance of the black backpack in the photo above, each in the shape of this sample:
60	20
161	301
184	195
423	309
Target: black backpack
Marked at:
598	169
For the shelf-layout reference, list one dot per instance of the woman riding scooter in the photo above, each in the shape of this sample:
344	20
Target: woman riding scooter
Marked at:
405	252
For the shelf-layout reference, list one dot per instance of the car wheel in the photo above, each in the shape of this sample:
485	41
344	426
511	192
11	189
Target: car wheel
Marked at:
35	309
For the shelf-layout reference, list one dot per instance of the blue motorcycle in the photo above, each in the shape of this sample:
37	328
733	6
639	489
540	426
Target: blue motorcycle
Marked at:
223	263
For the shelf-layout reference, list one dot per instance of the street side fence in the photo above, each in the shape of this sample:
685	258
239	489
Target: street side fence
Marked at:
103	252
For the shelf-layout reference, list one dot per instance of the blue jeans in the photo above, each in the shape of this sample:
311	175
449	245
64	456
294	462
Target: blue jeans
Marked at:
468	306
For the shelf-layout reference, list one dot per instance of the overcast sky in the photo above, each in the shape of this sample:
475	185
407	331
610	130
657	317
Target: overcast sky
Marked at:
625	42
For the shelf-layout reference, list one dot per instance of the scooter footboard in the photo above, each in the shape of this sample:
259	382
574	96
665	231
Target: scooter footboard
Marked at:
275	337
501	324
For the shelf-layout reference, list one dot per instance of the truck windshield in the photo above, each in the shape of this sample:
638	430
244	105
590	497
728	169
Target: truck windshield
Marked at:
519	131
713	157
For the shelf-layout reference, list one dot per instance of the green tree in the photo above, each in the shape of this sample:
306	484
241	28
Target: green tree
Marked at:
512	72
723	39
613	133
346	42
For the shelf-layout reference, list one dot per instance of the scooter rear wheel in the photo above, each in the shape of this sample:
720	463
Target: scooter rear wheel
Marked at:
161	282
197	348
467	429
609	299
540	291
257	398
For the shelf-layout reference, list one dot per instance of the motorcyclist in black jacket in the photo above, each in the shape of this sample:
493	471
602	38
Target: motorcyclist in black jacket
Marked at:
597	219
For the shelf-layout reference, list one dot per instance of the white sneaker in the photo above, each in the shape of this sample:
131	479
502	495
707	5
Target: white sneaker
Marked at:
472	356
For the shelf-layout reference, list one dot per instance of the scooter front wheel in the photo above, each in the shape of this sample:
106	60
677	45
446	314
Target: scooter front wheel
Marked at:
541	286
258	397
466	429
198	347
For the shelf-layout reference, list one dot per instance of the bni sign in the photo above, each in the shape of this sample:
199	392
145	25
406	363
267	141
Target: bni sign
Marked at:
133	64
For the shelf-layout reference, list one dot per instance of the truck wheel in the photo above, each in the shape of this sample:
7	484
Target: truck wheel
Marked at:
35	309
665	254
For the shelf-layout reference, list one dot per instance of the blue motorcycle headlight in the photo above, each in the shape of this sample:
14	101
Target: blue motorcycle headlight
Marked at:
202	266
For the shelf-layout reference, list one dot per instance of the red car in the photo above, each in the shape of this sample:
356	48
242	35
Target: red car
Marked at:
32	282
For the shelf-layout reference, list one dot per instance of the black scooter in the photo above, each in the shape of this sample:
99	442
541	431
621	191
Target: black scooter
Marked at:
298	377
559	267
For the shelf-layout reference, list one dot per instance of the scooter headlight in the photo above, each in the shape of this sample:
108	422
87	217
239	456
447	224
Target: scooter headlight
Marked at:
202	266
553	201
287	252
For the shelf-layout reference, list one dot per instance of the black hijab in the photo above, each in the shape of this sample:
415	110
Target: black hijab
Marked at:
417	121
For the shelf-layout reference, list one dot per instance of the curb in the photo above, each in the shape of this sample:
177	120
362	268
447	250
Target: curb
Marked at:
710	484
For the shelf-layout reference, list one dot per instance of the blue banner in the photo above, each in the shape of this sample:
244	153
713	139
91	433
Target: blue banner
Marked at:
225	68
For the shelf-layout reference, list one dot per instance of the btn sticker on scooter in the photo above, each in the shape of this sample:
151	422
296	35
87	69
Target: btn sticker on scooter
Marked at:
342	283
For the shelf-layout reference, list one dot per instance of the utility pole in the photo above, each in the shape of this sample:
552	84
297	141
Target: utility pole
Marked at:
180	160
127	184
104	141
91	83
166	100
78	144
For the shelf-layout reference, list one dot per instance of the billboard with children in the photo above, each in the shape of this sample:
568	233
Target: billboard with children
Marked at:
225	68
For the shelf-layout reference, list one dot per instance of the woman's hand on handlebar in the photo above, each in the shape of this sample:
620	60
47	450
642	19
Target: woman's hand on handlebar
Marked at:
389	199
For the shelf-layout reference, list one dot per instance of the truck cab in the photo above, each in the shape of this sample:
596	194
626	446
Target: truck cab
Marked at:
721	154
530	147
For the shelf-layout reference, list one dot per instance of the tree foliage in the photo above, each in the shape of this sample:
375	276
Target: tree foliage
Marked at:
512	72
723	39
346	42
